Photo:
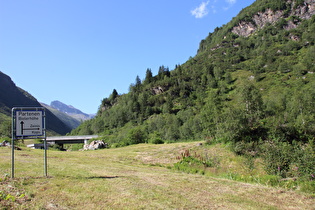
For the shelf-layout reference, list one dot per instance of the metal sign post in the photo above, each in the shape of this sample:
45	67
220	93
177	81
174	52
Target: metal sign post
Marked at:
29	123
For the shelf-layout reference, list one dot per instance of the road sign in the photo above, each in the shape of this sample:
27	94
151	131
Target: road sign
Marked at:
29	123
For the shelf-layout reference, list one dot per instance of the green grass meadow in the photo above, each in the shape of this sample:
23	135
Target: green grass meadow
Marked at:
139	177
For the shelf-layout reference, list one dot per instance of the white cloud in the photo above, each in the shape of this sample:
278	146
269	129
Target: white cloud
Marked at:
231	1
214	10
202	10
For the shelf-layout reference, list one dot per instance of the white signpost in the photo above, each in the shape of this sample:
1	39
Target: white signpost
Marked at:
29	123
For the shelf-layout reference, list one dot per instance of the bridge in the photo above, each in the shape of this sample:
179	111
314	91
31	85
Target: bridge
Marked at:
61	140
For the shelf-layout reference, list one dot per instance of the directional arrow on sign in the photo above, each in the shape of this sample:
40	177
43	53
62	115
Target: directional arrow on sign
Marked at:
22	125
29	129
29	123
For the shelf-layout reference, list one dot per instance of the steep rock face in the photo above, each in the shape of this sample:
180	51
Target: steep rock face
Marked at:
306	11
261	19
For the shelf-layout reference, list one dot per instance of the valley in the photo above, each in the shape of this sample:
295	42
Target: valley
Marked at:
231	128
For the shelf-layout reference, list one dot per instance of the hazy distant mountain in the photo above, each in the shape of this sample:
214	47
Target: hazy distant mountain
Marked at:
13	96
71	111
67	119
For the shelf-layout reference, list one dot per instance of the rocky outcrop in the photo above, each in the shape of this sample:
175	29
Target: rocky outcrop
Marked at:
306	11
94	145
157	90
261	19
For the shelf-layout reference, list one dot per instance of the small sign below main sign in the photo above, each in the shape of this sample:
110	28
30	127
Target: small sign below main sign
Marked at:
29	123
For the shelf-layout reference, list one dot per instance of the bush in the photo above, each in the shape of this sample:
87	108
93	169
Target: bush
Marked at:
190	164
195	163
155	138
56	147
249	149
277	156
135	136
290	159
156	141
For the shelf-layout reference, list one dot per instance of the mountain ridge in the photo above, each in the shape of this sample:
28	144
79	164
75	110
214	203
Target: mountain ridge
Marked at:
13	96
71	111
67	119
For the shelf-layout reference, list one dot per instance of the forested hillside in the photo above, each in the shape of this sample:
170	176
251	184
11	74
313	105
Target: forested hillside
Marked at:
251	85
240	84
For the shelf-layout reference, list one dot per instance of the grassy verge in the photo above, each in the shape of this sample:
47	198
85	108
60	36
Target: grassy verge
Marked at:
136	177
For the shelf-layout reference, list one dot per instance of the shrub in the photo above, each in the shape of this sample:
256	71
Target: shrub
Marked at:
277	156
156	141
195	163
155	138
135	136
249	149
190	164
56	147
290	159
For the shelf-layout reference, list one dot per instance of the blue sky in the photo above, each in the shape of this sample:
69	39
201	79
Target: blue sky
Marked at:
78	51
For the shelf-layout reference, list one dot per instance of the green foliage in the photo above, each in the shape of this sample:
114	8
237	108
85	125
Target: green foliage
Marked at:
71	147
56	147
309	59
8	197
249	149
308	187
155	138
148	77
135	136
190	165
290	160
270	180
5	128
194	163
